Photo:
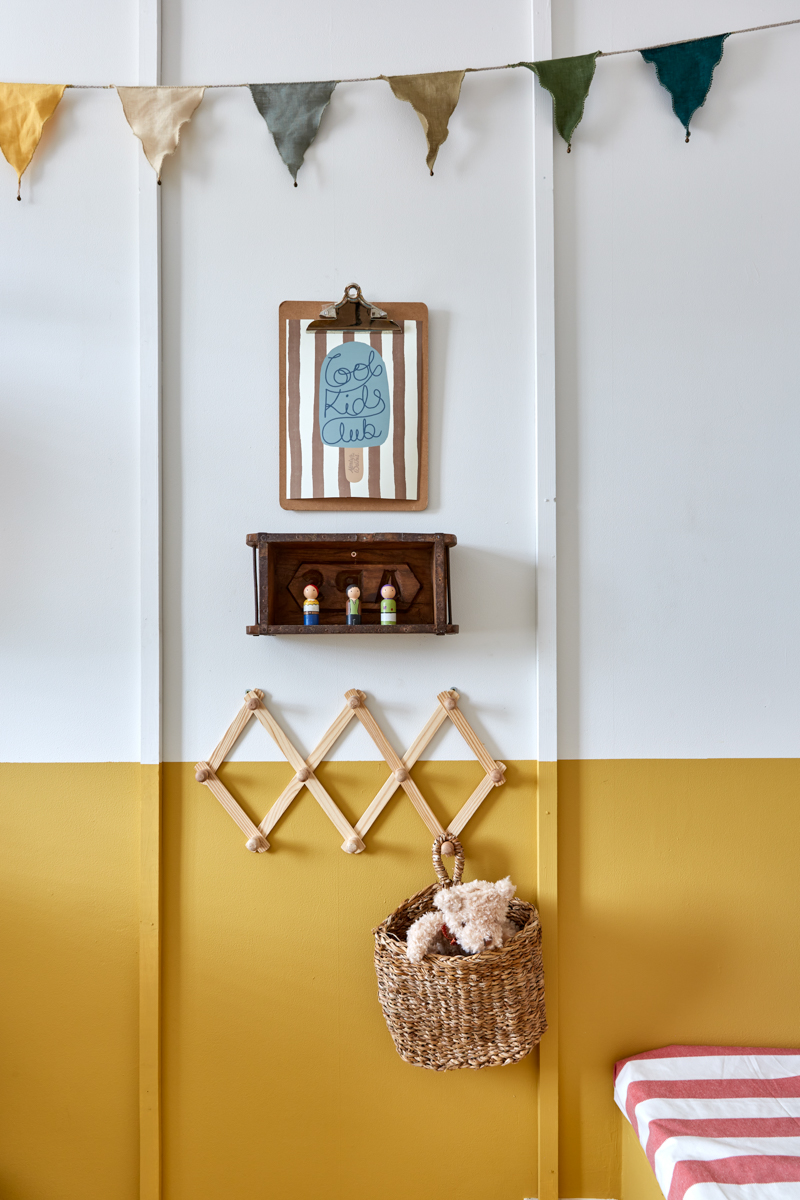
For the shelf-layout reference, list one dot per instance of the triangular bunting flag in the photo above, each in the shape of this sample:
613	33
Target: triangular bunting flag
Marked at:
568	81
156	115
686	70
293	112
433	98
24	108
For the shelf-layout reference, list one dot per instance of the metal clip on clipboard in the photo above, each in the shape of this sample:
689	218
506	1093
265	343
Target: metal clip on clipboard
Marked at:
353	314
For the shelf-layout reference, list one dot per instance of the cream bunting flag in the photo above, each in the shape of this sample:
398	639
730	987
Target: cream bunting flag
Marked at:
156	115
24	108
433	98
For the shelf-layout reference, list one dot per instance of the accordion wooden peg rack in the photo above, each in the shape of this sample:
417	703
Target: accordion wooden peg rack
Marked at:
355	708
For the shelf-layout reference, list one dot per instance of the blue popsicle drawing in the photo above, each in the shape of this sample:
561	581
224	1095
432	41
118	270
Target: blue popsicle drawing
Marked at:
353	402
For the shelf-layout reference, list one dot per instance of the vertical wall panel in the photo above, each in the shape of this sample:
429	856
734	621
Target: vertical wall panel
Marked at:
677	381
69	446
239	239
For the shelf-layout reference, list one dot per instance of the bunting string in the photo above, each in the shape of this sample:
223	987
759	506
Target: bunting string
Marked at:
662	45
293	112
500	66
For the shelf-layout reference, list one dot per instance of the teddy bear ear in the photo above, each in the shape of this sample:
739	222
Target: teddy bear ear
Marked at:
506	888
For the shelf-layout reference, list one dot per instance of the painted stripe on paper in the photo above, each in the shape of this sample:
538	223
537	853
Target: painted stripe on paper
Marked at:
374	452
293	411
344	484
385	451
361	489
307	389
317	473
412	373
398	434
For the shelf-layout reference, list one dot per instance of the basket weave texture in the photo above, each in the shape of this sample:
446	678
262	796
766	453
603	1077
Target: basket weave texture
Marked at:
481	1010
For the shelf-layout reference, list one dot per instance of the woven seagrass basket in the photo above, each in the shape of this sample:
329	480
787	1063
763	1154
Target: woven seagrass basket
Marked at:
482	1010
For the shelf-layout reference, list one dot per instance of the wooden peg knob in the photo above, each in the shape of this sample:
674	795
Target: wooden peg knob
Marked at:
449	703
448	849
303	774
202	774
253	704
496	775
355	702
401	774
351	846
257	845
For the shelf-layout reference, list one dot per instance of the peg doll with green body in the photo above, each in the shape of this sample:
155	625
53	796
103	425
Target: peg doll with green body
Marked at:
388	605
353	606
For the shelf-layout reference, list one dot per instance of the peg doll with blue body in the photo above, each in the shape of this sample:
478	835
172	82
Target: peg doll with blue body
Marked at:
310	605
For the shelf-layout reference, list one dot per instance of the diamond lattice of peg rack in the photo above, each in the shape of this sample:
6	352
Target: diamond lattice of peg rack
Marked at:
206	772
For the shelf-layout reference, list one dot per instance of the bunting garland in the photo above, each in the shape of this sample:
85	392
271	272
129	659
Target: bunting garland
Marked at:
293	111
686	69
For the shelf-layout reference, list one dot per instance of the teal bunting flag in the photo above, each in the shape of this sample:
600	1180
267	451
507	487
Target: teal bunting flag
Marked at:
686	70
568	81
293	112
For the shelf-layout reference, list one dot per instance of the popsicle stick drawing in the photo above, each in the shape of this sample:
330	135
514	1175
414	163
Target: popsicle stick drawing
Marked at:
354	402
353	412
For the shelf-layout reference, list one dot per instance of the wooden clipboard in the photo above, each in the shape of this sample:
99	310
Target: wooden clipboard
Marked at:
312	475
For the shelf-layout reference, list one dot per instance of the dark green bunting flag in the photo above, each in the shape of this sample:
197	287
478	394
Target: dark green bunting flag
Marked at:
686	69
568	81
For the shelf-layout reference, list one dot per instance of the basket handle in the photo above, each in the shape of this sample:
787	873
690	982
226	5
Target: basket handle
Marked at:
458	868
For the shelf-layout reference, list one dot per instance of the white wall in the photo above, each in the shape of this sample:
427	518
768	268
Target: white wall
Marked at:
68	398
679	420
239	239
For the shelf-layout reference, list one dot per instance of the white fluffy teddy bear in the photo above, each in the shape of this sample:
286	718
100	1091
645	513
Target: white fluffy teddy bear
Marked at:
469	917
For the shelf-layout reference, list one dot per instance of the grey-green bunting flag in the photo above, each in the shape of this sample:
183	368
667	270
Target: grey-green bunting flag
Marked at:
568	81
293	112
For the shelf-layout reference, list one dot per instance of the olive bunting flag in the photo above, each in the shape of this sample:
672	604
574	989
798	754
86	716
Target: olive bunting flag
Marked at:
568	81
293	112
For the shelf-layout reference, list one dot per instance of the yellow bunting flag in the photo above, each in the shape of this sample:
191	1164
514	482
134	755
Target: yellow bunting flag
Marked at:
24	108
156	115
433	98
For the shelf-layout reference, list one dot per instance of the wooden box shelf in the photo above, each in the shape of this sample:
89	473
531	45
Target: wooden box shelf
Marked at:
416	564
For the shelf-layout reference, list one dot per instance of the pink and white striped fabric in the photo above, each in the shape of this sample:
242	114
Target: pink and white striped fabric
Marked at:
716	1122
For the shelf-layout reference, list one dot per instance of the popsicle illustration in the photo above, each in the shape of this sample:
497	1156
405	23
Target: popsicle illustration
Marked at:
353	402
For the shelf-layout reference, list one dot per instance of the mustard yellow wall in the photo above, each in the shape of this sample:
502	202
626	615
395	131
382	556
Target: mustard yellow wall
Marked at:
69	861
280	1079
679	911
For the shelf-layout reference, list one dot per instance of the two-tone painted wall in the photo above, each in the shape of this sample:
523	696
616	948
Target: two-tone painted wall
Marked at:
679	655
678	700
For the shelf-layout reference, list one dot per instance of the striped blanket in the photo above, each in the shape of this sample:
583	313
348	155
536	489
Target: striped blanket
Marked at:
716	1122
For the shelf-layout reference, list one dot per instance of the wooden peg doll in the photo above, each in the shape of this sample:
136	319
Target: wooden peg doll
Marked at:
310	605
388	605
353	606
